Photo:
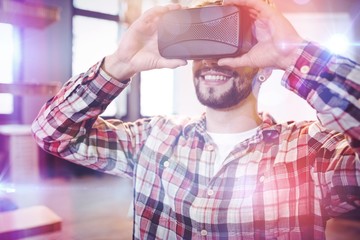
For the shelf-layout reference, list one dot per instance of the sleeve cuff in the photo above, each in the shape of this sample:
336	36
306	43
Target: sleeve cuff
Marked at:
311	62
96	71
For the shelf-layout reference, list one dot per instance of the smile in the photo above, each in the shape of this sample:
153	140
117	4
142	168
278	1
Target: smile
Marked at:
216	75
215	78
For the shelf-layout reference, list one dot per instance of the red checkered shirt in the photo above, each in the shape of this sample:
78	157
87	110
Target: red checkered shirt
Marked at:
282	183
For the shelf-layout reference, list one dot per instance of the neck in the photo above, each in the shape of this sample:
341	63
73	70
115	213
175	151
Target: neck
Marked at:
239	118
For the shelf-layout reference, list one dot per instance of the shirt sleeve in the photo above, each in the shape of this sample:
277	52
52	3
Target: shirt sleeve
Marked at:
331	85
69	125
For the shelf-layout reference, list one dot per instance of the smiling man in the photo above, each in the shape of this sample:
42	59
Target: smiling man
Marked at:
231	173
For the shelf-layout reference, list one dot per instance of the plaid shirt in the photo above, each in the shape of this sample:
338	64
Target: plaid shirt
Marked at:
282	183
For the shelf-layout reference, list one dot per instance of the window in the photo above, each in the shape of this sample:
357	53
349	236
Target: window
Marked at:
6	66
9	45
96	31
103	6
156	92
156	86
88	48
102	17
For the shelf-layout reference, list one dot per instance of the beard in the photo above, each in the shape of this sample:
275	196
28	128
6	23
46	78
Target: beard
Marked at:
239	90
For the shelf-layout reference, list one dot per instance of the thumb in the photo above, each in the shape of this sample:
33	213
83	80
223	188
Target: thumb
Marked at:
171	63
242	61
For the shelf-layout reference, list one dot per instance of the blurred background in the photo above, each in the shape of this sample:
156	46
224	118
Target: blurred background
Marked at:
45	42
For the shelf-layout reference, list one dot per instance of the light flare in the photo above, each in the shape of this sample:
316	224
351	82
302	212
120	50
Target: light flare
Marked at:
6	188
338	44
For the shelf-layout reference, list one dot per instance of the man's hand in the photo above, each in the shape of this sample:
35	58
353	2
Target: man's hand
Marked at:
138	48
277	38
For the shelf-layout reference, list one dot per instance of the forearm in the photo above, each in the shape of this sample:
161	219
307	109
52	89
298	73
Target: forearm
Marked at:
117	68
71	112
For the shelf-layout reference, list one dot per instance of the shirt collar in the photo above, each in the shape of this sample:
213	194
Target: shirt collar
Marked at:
268	130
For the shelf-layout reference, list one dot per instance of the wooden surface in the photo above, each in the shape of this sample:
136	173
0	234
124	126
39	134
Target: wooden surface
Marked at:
91	208
30	221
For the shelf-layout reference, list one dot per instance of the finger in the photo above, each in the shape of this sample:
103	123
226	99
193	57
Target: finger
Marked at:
253	13
255	4
157	11
173	6
263	9
262	31
146	24
235	62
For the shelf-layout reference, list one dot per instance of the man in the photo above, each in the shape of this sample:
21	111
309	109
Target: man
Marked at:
229	174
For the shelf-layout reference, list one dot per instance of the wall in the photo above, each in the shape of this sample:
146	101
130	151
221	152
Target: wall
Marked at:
46	56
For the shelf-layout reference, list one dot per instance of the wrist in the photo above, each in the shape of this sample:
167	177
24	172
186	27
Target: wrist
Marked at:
118	70
291	54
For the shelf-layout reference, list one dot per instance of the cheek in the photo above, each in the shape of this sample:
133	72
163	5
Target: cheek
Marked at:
195	65
247	71
247	74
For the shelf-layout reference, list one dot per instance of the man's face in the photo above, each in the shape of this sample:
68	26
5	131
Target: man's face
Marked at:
221	87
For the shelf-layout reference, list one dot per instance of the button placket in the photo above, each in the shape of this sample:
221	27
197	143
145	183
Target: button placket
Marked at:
210	192
166	164
210	148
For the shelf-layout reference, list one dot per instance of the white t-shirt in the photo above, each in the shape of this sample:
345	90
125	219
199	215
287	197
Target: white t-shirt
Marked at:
226	143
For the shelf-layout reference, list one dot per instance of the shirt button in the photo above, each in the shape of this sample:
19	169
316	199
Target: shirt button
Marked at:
261	179
305	69
210	192
210	148
203	232
166	164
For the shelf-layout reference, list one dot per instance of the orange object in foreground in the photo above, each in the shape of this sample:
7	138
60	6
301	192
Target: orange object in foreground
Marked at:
27	222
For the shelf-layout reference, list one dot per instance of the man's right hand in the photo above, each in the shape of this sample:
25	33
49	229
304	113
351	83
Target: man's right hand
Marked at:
278	41
138	48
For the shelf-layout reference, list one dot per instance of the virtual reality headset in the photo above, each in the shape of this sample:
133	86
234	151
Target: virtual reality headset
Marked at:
205	32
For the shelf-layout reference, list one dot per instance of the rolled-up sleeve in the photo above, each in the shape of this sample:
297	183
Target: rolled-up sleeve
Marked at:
331	85
69	125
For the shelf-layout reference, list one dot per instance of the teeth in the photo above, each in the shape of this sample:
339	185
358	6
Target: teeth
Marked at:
215	78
